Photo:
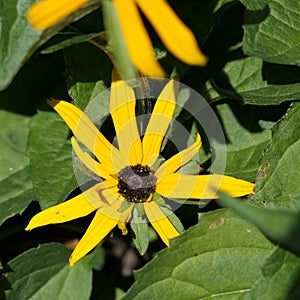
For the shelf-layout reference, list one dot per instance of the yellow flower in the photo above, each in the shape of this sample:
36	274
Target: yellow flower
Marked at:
176	36
128	177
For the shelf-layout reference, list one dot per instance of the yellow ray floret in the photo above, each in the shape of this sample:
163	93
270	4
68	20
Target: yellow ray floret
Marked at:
48	12
160	222
89	162
88	134
122	109
159	122
178	160
72	209
138	43
202	186
176	36
98	229
104	221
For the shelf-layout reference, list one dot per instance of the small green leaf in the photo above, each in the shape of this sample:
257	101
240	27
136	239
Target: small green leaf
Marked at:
251	81
272	30
139	226
277	184
44	273
219	257
15	180
89	74
50	153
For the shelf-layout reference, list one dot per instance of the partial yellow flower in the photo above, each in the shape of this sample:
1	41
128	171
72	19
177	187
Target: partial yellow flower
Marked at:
46	13
127	173
175	35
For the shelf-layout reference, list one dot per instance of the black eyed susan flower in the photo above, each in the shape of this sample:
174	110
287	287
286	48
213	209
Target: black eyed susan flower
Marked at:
127	171
175	35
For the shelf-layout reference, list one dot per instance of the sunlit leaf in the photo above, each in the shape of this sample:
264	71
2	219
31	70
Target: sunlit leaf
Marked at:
50	153
44	273
272	30
195	266
251	81
15	180
19	40
279	278
277	184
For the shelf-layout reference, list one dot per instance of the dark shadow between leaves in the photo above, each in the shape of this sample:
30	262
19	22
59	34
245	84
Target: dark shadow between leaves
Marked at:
256	16
280	74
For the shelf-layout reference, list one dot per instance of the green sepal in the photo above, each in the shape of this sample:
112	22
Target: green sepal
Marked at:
173	218
139	226
124	206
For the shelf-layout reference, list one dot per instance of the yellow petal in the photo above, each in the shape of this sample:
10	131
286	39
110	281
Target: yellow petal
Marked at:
138	43
160	222
98	229
74	208
176	36
122	109
89	162
159	122
105	220
88	134
178	160
47	12
202	186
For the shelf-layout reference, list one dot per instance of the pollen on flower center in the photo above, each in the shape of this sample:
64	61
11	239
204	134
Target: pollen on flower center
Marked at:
136	183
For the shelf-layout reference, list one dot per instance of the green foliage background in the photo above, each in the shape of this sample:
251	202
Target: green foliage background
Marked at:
252	80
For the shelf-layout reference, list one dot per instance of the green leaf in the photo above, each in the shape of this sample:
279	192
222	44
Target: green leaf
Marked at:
139	226
15	181
89	73
116	42
19	40
50	153
247	134
220	257
280	275
251	81
272	30
282	227
277	184
44	273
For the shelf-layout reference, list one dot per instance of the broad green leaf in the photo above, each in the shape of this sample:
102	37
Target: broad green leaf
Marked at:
220	257
281	271
277	184
279	278
251	81
50	153
272	30
15	181
44	273
19	40
89	73
247	135
282	227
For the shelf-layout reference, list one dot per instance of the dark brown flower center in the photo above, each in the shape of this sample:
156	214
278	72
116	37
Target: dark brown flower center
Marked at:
136	183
